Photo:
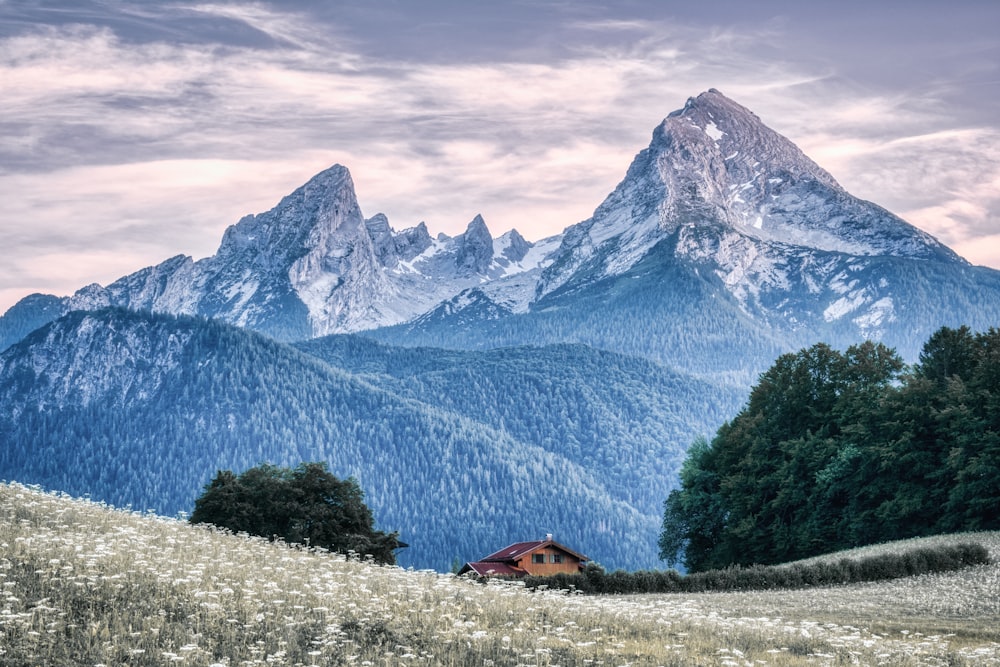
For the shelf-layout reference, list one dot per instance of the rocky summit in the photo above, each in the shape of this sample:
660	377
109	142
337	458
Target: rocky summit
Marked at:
723	246
722	231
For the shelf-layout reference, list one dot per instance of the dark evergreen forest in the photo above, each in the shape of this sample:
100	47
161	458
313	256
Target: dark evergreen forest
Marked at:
461	453
840	449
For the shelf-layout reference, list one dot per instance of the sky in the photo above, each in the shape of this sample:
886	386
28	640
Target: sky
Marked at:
132	131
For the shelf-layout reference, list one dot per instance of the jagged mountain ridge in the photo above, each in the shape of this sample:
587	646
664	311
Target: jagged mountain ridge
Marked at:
775	243
311	266
142	409
721	215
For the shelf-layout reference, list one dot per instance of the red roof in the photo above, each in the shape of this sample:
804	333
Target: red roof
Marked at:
484	569
514	552
503	563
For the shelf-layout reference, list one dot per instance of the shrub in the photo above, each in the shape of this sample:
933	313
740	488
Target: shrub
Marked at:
594	580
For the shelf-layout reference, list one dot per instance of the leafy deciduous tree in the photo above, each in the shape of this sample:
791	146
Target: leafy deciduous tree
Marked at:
835	450
304	505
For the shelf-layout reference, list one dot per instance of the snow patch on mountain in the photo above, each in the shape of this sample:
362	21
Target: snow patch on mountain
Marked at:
714	132
879	314
844	305
538	256
715	185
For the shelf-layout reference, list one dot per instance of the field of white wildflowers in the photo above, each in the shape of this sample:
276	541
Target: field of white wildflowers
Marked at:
82	584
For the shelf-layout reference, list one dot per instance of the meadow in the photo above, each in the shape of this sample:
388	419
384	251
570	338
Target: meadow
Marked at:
85	584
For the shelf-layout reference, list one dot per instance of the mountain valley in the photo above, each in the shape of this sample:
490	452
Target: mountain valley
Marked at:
483	390
456	450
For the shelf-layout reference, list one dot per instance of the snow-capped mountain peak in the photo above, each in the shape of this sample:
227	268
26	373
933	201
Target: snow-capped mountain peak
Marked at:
475	247
746	145
305	219
760	183
512	245
715	189
311	266
714	164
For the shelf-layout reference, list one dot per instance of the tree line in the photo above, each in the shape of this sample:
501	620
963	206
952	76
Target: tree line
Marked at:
835	450
821	572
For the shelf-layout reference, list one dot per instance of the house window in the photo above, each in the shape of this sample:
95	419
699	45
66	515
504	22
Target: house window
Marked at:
537	558
556	558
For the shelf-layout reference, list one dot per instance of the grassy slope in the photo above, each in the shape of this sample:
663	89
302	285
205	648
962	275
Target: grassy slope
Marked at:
83	584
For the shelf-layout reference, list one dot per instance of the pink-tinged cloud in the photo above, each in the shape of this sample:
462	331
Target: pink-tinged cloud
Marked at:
120	153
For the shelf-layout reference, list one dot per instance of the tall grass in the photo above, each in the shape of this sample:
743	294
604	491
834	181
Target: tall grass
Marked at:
82	584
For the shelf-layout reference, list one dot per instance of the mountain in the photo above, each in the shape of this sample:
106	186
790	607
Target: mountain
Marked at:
461	452
722	237
551	410
309	267
723	246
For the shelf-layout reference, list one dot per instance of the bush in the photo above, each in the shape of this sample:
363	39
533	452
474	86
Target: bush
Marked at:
595	581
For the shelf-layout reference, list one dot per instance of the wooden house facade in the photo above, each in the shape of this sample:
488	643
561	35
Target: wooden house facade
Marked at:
539	557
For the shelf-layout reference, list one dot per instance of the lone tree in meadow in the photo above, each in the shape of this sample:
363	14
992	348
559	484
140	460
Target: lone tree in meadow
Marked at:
304	505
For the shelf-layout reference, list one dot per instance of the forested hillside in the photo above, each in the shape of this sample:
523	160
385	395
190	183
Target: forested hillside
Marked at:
835	450
27	315
623	415
141	409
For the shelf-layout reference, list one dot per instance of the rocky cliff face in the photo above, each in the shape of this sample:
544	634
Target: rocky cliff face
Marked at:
724	222
79	361
717	195
311	266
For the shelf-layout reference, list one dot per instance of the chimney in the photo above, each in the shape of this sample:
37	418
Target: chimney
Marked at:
548	537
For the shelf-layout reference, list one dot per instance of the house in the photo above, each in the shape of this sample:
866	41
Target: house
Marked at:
540	557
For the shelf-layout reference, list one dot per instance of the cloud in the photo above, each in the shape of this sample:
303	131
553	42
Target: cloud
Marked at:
945	182
97	223
125	150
